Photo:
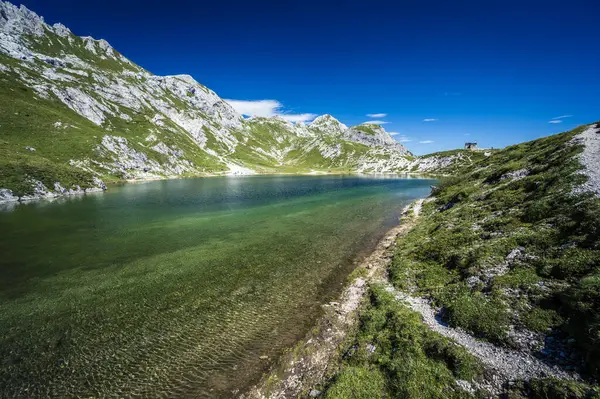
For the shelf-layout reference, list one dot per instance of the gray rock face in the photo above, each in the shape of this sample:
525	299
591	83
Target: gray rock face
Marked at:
327	124
516	175
7	195
40	191
20	20
192	130
379	138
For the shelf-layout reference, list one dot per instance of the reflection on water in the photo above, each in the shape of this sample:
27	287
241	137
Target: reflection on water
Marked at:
177	288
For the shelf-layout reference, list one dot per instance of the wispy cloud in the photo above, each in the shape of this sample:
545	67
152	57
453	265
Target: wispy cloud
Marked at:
426	142
429	119
452	93
375	123
267	108
399	137
467	134
376	115
559	119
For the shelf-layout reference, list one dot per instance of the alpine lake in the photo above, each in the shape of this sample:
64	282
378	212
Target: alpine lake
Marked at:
179	288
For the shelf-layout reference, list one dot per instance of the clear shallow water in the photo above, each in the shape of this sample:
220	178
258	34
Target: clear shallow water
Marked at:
176	288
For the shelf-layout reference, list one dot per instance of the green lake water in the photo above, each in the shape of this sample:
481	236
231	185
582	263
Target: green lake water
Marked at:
177	288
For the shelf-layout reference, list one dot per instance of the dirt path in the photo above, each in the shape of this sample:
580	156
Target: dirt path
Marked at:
590	157
505	364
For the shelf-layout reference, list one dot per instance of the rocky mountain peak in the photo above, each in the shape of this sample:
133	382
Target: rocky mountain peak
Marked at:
146	126
16	23
373	136
20	20
61	30
328	124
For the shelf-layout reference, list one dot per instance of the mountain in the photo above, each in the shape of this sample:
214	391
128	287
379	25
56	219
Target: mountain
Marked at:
76	113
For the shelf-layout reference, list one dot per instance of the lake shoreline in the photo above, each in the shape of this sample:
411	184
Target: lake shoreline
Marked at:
307	365
9	202
189	286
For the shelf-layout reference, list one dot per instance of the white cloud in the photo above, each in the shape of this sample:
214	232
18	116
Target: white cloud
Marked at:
429	119
426	142
376	115
298	117
467	134
555	121
267	108
562	117
375	123
401	138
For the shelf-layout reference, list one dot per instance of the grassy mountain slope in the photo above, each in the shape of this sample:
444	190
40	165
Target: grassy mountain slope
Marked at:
75	111
448	162
510	251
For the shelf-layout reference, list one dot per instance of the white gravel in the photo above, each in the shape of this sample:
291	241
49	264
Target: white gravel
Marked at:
590	158
417	207
506	364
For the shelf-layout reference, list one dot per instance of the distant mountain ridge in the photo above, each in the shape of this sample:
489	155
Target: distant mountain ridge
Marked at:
76	113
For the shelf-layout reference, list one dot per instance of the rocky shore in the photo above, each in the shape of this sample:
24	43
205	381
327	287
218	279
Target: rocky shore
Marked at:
41	191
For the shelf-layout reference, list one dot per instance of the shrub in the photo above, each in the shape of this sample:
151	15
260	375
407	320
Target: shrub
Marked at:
483	316
551	388
540	320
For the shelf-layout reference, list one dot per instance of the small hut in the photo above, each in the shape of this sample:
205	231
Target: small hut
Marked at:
471	146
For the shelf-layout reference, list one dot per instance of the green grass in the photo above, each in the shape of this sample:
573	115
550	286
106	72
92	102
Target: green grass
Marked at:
478	217
367	129
394	355
28	120
358	383
304	157
550	388
452	256
480	154
462	159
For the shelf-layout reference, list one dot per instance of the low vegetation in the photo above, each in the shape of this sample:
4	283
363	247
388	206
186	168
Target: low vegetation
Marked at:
458	158
395	355
367	129
506	247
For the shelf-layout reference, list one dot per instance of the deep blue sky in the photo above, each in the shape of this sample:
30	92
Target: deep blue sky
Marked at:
492	71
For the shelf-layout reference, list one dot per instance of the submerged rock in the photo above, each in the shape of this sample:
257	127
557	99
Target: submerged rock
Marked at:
7	195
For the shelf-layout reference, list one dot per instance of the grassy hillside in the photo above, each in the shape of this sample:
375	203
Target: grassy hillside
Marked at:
449	162
507	250
74	111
